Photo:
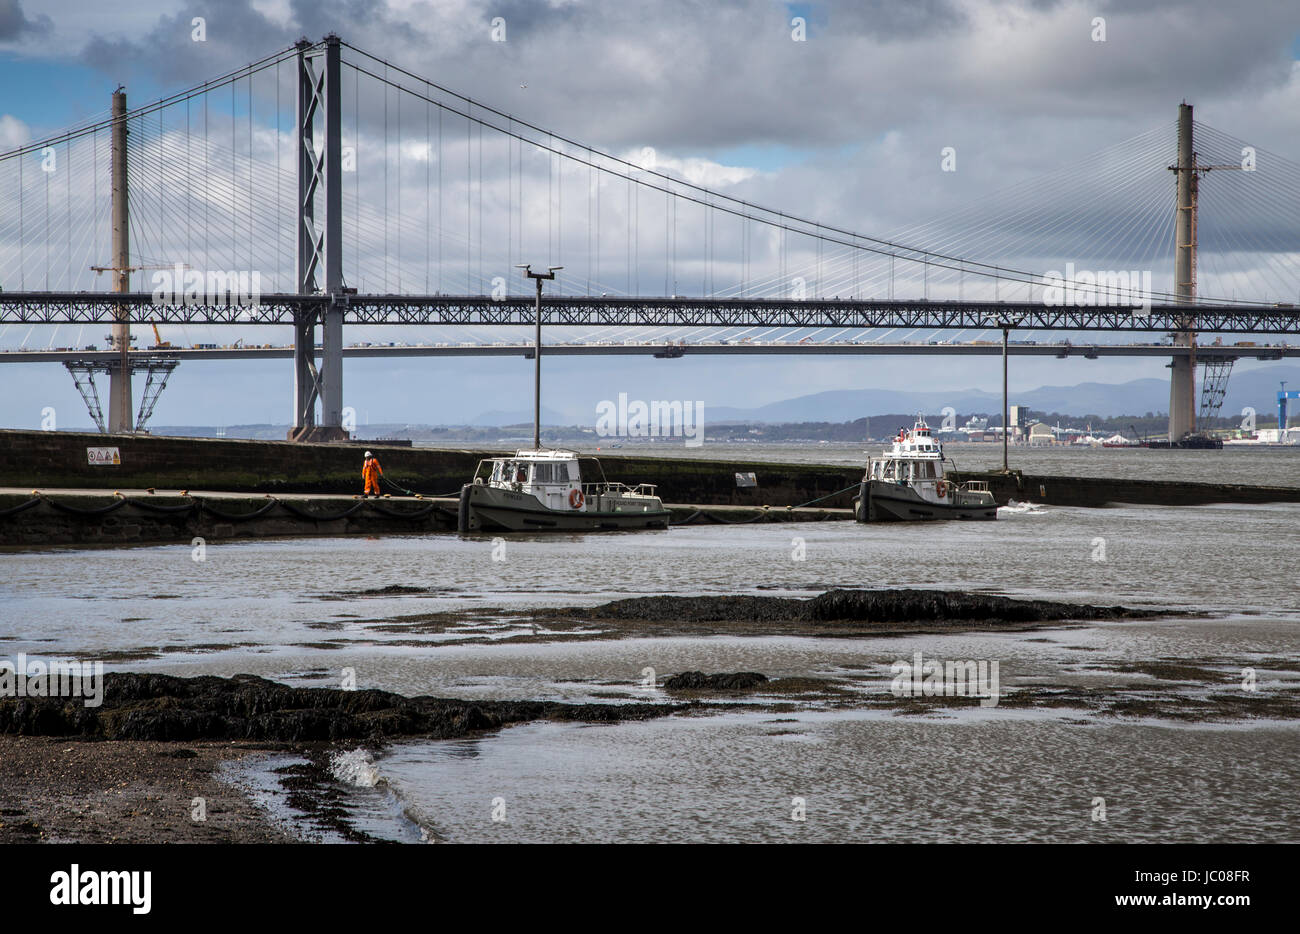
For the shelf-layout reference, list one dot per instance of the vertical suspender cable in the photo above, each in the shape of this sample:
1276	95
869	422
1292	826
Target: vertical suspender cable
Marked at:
399	186
480	206
469	252
384	86
439	200
428	227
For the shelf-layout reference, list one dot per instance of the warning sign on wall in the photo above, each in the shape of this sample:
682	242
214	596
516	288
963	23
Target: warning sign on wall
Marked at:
103	457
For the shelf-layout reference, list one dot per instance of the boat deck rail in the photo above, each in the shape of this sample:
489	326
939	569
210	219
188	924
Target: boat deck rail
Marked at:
613	486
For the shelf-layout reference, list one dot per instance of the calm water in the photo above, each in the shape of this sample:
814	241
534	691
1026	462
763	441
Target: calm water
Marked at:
288	610
1234	464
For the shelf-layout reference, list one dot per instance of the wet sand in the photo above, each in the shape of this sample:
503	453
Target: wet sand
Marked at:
68	790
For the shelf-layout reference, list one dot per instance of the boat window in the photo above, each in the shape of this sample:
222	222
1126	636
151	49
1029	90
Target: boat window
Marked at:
543	473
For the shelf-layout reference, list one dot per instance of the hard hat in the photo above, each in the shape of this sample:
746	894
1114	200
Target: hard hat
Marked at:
367	454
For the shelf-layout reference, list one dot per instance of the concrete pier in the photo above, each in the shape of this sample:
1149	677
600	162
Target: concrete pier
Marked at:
39	518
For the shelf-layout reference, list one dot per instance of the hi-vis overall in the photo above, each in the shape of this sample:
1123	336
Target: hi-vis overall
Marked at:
370	473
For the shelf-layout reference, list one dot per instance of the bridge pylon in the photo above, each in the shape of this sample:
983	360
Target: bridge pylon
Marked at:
1182	369
319	251
119	378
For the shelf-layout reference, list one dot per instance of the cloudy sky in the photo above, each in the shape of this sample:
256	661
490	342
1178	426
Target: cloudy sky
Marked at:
847	126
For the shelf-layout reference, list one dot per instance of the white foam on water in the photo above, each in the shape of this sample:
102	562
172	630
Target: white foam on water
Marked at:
354	768
1022	509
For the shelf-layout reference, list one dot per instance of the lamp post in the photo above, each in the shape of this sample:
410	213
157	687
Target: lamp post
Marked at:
1006	324
537	348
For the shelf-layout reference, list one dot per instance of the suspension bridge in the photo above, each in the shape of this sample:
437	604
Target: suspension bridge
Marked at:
322	189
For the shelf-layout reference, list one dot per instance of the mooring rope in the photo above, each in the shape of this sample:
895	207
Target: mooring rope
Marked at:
404	490
236	517
21	507
302	513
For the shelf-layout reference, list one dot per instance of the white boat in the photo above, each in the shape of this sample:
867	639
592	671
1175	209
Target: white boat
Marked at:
907	483
1269	438
544	491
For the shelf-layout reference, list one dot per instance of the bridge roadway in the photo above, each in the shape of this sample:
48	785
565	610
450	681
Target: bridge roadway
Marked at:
663	350
484	310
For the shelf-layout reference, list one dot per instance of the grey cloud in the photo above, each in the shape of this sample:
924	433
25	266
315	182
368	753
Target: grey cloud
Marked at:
14	23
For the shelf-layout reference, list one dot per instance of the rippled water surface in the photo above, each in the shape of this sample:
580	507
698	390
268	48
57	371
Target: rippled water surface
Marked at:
1264	466
295	610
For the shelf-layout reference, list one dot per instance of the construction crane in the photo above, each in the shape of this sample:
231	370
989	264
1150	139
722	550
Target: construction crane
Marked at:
157	369
159	343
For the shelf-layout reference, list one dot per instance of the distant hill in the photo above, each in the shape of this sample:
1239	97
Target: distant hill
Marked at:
521	417
1255	388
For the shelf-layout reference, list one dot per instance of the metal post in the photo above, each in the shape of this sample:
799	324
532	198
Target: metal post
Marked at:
1182	373
537	348
120	416
537	368
1006	406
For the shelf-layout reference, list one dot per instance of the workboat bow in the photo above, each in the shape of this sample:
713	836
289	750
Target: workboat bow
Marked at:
907	483
543	491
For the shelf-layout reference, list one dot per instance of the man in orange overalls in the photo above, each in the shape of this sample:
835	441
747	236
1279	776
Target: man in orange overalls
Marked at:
370	473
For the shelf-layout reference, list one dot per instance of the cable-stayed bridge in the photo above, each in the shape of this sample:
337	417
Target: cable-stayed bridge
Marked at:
321	191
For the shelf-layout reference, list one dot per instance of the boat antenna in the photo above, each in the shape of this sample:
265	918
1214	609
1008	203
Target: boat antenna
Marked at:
537	347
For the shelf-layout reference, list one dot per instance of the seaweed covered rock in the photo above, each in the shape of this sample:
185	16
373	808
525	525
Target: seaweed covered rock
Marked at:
743	608
906	605
245	707
699	681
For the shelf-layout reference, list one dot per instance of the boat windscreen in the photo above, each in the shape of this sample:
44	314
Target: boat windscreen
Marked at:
599	469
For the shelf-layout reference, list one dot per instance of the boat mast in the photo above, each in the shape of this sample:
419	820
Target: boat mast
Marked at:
537	348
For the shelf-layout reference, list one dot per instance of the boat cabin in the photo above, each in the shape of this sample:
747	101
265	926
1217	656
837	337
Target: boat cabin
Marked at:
916	456
554	477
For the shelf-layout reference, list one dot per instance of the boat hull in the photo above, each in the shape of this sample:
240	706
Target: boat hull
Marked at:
888	502
488	509
1192	443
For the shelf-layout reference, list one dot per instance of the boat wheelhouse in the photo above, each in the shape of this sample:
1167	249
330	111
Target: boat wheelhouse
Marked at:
908	483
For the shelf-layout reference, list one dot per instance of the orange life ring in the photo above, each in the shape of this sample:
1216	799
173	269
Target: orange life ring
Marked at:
576	499
941	488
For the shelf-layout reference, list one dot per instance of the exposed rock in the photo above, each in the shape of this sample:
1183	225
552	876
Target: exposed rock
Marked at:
883	606
936	605
699	681
245	707
701	609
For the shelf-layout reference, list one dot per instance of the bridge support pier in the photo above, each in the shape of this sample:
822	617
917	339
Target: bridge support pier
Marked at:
319	252
1182	370
1182	392
120	416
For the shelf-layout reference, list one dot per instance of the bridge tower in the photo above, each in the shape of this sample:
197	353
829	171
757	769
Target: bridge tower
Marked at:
119	378
319	251
1182	374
